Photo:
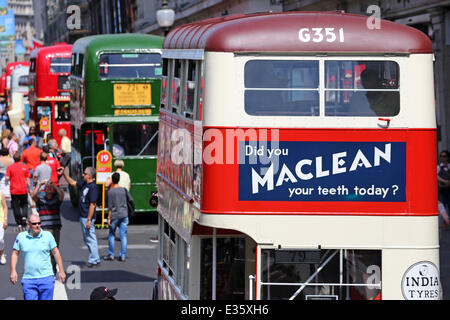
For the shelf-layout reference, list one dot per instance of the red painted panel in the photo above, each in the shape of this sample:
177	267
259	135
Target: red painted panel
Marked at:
221	181
280	32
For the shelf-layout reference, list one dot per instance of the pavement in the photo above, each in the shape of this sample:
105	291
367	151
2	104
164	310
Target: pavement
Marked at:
133	278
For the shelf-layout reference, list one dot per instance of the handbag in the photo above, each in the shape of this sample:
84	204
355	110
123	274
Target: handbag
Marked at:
130	204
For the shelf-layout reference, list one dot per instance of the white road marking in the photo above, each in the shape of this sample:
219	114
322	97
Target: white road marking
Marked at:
60	291
129	247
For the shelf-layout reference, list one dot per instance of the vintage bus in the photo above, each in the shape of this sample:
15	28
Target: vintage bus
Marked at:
297	160
19	90
115	93
3	87
9	69
49	89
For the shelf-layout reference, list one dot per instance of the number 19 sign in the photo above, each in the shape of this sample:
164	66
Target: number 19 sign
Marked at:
104	166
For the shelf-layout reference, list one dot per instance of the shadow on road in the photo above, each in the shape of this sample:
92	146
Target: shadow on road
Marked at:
113	276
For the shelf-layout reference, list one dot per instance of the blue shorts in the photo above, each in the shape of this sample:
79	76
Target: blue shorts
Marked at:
38	289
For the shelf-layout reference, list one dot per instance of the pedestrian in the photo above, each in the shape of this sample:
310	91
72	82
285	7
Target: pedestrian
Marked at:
12	146
66	147
3	226
443	176
5	162
53	145
48	206
32	156
54	165
38	281
103	293
87	204
22	131
5	138
42	172
125	181
30	136
18	176
6	124
40	139
117	217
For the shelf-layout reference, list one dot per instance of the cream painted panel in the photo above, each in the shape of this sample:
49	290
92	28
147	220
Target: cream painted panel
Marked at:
371	232
224	95
395	262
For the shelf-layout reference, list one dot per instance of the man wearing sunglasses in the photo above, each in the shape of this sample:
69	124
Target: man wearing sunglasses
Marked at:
38	281
87	204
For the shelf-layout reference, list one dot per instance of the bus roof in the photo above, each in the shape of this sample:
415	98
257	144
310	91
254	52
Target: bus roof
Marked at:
12	65
280	32
117	42
65	49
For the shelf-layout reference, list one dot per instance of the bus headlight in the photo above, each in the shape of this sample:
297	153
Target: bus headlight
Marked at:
153	201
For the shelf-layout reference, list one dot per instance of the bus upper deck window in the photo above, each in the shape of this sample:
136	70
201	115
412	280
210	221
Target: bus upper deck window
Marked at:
190	86
362	88
60	65
130	65
281	88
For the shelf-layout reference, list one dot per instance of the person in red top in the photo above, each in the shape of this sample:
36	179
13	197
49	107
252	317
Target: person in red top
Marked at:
31	156
18	176
54	164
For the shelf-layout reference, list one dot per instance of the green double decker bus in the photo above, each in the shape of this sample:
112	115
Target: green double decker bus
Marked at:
114	106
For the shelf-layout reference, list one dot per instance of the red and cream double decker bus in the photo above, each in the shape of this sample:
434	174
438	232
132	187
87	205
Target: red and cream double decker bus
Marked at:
3	87
49	88
10	67
297	160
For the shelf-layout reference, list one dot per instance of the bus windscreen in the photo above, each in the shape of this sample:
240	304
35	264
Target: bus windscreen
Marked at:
131	65
60	65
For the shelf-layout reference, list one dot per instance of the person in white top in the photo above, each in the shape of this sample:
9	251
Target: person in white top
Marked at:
125	181
66	148
66	144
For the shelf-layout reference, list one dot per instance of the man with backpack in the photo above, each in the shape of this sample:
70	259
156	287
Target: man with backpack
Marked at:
117	217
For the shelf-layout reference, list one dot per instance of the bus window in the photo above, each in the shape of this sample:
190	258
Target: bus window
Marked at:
126	66
290	267
135	139
60	65
230	281
281	88
94	142
176	86
362	88
33	65
44	111
62	111
23	81
164	83
190	87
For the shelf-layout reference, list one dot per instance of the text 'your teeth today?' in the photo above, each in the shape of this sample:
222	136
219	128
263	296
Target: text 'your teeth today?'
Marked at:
322	171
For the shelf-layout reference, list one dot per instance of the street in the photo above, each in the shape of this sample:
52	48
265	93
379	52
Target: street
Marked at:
133	278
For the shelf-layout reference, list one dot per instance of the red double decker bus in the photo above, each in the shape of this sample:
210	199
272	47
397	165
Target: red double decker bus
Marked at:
49	88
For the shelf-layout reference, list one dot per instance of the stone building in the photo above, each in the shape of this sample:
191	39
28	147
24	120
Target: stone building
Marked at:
430	16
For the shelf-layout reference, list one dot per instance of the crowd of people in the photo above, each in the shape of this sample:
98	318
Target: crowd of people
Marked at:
31	167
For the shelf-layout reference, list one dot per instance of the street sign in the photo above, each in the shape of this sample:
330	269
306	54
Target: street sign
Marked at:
104	166
44	124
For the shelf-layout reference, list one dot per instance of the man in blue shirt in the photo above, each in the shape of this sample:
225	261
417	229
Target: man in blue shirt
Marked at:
87	204
38	281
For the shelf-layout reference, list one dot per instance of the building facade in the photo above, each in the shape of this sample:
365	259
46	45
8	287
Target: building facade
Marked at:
430	16
68	20
121	16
